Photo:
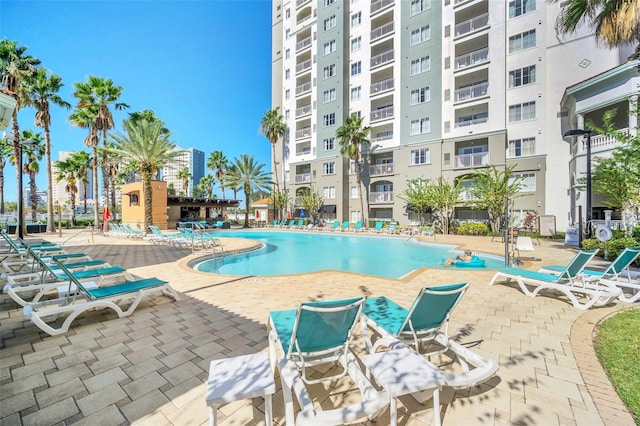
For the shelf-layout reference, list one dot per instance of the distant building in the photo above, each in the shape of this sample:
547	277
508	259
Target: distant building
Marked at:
193	160
59	192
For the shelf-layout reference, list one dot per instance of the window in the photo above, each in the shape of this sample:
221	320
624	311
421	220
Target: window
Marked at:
420	96
421	65
329	144
420	156
520	112
528	182
133	199
287	74
356	93
352	167
521	77
287	54
287	13
329	71
522	41
353	193
329	192
356	43
330	22
418	6
287	32
329	169
329	47
328	2
520	7
356	68
287	94
287	114
522	147
358	114
329	95
329	119
356	19
420	35
420	126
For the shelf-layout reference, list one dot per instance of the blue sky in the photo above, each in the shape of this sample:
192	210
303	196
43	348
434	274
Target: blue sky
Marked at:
204	67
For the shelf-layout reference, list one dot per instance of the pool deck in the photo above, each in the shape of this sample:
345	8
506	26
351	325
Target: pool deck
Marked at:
151	367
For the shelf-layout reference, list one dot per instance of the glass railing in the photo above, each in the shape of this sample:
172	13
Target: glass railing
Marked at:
380	4
303	88
305	110
472	24
382	86
382	31
470	92
472	58
382	113
472	160
381	197
304	43
463	121
381	59
303	178
306	65
381	169
303	133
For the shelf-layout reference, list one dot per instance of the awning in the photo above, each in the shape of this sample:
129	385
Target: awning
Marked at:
300	213
328	208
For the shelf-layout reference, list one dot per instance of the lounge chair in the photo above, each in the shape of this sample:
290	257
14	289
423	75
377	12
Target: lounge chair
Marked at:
392	229
345	226
318	333
524	244
300	224
569	282
617	273
378	227
123	298
358	226
424	327
335	225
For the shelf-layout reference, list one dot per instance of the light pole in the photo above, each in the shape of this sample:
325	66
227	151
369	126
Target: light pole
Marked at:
20	221
578	132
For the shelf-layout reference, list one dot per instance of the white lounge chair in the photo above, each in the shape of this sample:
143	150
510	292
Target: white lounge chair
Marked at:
523	244
569	282
318	333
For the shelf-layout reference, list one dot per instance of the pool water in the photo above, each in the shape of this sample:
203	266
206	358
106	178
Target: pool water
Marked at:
302	252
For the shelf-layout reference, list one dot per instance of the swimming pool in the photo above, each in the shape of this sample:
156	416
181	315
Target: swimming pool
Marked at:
301	252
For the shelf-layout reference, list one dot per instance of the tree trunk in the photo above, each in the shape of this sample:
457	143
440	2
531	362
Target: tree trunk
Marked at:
16	156
33	196
2	164
47	143
364	217
96	199
105	172
275	166
148	217
247	204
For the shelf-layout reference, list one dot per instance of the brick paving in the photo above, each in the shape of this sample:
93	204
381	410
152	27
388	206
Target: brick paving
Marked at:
151	367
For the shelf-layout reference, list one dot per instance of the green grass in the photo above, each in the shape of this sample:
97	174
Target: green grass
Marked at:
618	348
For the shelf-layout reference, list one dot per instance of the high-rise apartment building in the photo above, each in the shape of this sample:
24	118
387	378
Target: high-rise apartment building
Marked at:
193	160
447	87
59	193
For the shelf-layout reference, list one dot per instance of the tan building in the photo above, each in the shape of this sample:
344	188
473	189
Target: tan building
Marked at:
133	204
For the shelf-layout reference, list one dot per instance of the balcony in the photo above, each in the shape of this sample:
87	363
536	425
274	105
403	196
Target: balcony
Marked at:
302	111
382	59
381	197
380	4
303	44
471	120
301	2
381	169
303	151
305	132
466	196
381	138
303	88
471	92
305	66
600	143
473	24
477	57
303	178
381	31
472	160
382	86
381	114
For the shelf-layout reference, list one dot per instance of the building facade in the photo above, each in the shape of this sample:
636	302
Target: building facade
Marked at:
447	87
59	193
193	160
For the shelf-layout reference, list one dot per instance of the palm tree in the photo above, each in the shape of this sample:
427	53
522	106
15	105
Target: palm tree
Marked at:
273	128
6	148
42	90
99	93
185	176
15	68
218	163
68	170
616	22
352	137
146	145
83	163
85	117
249	176
207	182
32	154
148	115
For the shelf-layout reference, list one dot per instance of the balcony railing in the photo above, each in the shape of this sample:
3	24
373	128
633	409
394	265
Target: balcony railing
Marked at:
600	142
382	113
472	24
381	59
466	196
306	65
382	86
382	31
462	122
380	4
470	92
303	133
382	138
303	88
301	2
303	178
472	160
304	110
381	169
304	151
303	43
472	58
381	197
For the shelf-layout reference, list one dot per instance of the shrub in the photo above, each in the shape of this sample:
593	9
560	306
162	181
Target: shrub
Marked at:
618	234
635	232
473	229
593	243
612	248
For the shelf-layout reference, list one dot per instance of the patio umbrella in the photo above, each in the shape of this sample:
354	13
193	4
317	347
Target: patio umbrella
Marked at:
106	217
302	213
